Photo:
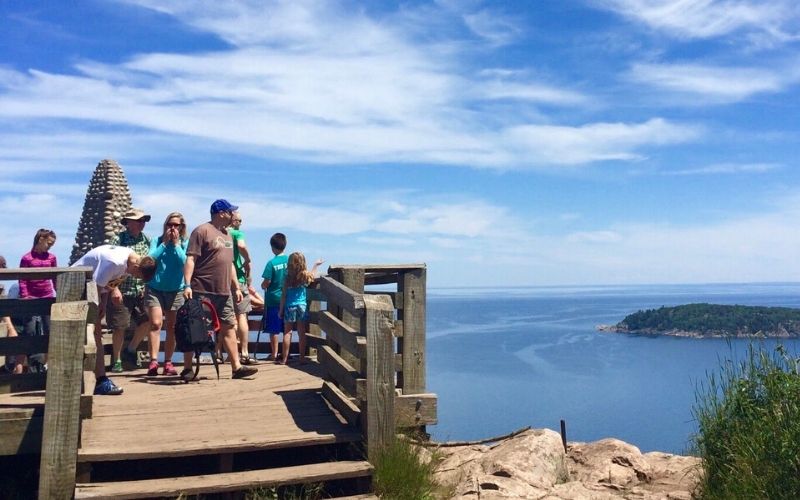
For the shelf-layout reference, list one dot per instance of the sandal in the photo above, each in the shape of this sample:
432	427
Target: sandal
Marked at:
247	360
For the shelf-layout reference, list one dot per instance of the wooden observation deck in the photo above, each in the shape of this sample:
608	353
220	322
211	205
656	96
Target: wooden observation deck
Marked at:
299	424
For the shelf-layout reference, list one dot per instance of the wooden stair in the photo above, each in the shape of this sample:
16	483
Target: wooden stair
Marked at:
224	482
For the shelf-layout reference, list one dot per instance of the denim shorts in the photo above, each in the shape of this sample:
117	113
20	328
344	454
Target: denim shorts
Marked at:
293	314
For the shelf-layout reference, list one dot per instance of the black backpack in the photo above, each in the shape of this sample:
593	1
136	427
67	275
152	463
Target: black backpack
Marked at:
195	326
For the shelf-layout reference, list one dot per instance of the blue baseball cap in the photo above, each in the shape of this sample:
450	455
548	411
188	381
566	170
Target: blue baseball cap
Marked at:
222	206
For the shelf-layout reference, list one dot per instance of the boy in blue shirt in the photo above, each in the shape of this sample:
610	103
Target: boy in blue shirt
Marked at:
274	275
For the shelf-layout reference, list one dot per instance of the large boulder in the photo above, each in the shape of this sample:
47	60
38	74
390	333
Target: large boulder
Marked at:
533	465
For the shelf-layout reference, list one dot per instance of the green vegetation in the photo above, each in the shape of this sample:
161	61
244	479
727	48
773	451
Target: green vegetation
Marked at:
749	429
714	319
401	474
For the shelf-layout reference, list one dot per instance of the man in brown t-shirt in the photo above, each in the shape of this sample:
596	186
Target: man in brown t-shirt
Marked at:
209	273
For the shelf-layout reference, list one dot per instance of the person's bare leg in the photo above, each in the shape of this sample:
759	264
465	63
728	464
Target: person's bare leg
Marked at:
154	331
100	357
169	347
138	335
274	341
117	338
287	342
301	335
228	333
243	333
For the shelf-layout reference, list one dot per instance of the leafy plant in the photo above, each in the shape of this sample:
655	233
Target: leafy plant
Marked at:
749	428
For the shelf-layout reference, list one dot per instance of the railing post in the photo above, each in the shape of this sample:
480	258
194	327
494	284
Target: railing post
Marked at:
352	278
379	427
411	345
62	400
61	426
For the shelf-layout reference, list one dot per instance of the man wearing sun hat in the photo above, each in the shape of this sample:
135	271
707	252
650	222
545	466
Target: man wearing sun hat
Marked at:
209	273
131	312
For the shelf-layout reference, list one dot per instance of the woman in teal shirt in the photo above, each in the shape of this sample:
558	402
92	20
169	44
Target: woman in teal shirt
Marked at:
165	291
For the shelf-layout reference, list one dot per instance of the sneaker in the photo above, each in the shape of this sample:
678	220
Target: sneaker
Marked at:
187	375
107	388
130	359
169	369
152	370
244	371
117	368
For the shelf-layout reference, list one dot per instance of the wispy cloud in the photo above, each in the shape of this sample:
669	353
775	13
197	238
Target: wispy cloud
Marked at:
715	84
496	28
305	81
697	19
726	168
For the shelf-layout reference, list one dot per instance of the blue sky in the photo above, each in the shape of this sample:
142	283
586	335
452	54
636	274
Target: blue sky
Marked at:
502	143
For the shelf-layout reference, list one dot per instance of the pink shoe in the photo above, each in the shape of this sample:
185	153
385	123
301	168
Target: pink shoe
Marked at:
152	370
169	369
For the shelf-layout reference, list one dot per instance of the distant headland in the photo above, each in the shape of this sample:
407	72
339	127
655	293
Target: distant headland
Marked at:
712	321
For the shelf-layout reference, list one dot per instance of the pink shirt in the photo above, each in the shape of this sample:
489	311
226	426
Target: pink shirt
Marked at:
37	288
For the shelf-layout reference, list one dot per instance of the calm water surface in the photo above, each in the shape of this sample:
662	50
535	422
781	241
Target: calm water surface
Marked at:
501	359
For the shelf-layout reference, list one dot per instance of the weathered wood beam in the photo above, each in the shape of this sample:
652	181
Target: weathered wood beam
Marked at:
380	278
343	404
344	335
342	296
379	428
340	372
41	273
414	410
378	268
23	345
23	382
25	307
62	401
412	344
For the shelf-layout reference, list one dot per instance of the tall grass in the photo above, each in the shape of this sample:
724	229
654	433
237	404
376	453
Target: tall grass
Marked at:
401	474
749	428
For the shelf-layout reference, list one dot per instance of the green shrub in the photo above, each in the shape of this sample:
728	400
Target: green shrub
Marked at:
401	474
749	428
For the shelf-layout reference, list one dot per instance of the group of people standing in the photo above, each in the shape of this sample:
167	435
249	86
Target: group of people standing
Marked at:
142	282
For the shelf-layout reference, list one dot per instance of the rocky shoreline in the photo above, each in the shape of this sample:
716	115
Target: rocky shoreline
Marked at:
780	334
534	465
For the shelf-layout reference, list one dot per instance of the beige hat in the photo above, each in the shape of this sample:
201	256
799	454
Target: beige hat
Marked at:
135	214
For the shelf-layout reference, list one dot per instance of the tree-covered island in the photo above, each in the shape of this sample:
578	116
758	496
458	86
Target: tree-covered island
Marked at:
712	320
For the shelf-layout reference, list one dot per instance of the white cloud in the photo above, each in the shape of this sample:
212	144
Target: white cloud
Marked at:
776	19
594	237
496	28
305	81
727	168
595	142
714	83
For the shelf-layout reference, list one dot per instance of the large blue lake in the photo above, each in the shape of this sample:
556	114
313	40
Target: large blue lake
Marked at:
501	359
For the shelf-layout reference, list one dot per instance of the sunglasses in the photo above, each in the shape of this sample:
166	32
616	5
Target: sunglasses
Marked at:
174	225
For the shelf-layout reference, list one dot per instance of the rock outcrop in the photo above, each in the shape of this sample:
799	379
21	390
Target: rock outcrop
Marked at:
533	465
107	198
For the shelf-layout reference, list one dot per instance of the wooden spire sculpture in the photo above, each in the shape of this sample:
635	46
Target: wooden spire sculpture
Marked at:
107	199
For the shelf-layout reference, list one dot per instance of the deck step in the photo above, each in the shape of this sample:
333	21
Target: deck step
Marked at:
224	482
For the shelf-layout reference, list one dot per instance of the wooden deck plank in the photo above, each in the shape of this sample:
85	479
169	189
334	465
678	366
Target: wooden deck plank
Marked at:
226	482
280	407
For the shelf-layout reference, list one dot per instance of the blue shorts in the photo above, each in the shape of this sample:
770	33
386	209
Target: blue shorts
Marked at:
274	323
293	314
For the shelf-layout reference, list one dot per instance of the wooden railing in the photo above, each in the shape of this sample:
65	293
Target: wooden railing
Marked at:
372	347
68	382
